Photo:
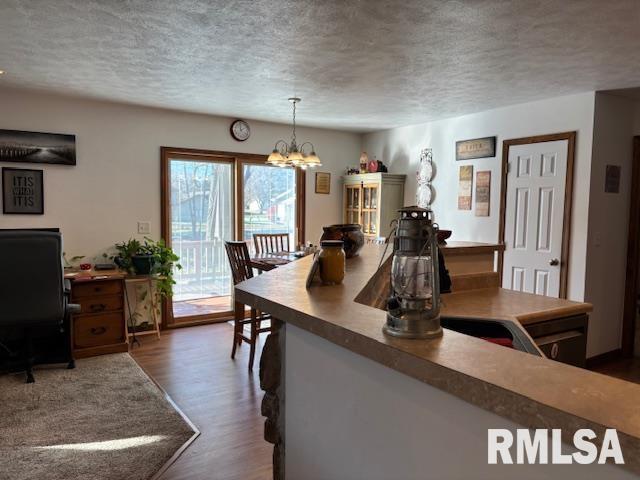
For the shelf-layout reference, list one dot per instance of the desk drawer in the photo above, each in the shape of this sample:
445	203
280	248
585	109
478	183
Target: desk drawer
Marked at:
562	339
99	304
90	289
100	329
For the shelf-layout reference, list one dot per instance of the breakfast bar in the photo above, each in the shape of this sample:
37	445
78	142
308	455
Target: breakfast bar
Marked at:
343	400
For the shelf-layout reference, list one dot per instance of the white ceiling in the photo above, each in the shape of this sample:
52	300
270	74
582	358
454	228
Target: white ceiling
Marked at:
358	65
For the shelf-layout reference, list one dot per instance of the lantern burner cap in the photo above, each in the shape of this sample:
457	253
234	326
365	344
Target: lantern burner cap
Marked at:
415	212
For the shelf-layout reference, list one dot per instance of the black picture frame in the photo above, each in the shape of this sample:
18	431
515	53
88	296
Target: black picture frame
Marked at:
28	190
18	146
476	148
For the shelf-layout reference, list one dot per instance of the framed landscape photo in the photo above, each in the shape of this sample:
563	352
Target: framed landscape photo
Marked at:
22	191
37	147
323	182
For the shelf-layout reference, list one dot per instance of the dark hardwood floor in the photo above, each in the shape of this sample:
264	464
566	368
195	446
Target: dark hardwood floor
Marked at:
625	369
221	398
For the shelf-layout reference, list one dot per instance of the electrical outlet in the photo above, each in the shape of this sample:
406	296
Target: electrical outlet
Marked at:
144	228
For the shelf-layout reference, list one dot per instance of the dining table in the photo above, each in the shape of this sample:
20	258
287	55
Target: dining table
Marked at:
263	262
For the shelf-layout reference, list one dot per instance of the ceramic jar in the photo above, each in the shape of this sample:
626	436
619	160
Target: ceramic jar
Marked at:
350	233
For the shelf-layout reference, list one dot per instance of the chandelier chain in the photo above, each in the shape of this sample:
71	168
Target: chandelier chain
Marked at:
294	123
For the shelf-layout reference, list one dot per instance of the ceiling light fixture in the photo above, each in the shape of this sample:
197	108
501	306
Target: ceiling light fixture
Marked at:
1	72
290	155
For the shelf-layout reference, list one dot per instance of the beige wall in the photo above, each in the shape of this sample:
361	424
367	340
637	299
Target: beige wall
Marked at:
116	181
609	220
400	149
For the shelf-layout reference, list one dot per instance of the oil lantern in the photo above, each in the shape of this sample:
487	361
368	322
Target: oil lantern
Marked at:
413	310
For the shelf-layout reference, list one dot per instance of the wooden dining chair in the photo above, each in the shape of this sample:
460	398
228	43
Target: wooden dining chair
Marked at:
241	270
271	242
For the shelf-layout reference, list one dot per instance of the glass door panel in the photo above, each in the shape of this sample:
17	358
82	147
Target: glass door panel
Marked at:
350	198
268	202
201	219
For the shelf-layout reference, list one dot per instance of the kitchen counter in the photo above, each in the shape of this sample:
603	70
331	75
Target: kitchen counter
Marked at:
470	257
470	248
501	303
531	391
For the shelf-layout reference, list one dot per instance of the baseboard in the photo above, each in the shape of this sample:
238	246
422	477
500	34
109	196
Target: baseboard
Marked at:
603	358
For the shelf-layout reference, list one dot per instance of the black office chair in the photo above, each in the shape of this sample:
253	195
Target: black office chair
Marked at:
33	292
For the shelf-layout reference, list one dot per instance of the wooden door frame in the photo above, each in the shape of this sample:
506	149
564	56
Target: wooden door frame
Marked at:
236	159
633	257
167	153
568	198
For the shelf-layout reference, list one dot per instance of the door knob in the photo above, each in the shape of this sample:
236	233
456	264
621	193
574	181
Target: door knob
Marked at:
554	262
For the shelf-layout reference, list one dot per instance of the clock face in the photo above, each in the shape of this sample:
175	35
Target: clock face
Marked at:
240	130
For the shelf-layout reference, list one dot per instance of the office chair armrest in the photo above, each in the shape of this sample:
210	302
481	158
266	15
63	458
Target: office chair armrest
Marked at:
73	308
70	308
67	287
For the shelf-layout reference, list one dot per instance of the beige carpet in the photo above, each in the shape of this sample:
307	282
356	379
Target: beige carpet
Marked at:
103	420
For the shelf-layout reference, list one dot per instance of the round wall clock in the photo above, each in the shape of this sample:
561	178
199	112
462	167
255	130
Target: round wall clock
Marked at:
240	130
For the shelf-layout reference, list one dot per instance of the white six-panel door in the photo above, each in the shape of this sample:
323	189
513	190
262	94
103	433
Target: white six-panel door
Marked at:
534	216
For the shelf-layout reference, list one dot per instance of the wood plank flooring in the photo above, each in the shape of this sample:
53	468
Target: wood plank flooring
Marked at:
625	369
202	306
221	398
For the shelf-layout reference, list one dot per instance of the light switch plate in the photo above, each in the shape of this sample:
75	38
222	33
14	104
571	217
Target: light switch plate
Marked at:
144	228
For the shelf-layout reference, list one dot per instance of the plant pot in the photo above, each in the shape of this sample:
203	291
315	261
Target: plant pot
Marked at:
142	264
350	233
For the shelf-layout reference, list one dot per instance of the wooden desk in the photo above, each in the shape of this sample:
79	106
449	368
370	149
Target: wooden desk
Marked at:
100	327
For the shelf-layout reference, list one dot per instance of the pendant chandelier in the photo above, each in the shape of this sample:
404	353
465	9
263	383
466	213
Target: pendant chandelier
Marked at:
290	155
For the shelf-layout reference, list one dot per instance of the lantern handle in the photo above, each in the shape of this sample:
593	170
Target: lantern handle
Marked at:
386	245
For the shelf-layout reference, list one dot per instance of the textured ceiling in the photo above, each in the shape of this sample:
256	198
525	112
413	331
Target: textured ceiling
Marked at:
358	65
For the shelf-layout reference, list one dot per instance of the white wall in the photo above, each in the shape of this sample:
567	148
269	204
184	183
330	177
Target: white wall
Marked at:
350	418
117	178
609	221
400	149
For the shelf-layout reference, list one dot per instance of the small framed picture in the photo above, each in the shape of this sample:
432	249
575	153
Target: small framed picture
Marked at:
476	148
323	182
22	191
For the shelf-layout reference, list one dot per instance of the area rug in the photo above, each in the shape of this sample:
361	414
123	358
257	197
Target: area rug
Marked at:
104	420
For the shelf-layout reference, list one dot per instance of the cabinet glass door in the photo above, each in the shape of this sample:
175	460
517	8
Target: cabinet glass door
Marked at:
369	209
352	213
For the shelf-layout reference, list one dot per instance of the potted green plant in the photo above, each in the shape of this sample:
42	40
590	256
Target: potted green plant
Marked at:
149	258
126	251
163	262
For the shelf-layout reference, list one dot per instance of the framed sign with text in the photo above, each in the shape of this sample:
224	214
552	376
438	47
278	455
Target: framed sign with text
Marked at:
476	148
323	182
22	191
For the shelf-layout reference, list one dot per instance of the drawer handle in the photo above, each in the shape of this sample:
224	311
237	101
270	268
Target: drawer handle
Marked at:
97	289
98	307
98	330
555	349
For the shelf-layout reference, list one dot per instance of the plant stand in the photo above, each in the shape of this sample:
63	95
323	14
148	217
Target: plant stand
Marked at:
131	326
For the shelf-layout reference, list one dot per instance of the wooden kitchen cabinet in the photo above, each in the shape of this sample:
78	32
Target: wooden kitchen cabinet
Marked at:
372	200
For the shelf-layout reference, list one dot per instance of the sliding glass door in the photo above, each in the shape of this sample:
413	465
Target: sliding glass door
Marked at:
211	197
201	214
268	201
